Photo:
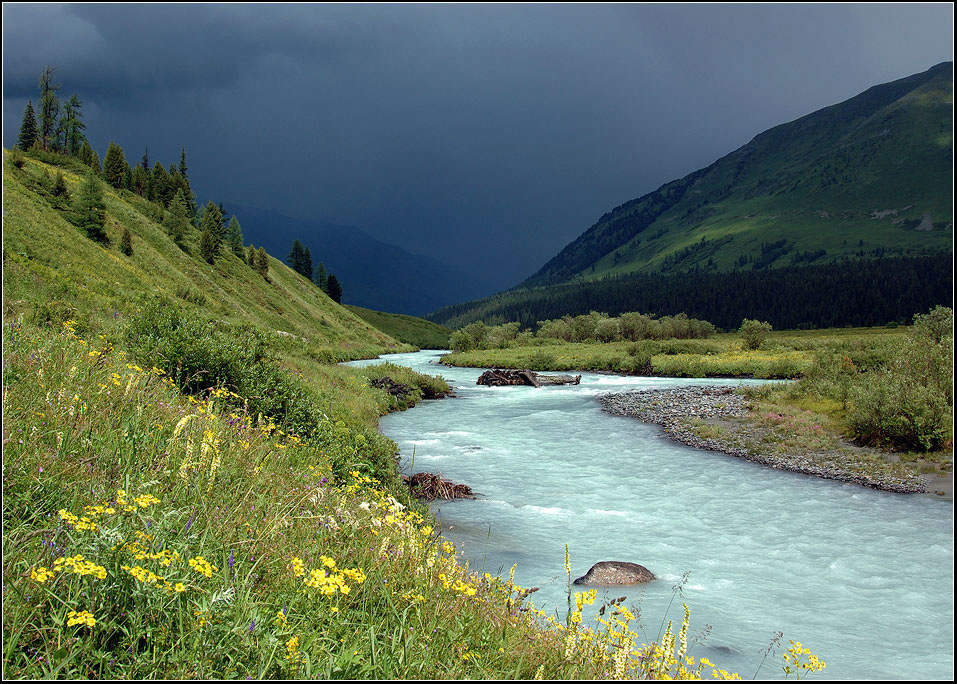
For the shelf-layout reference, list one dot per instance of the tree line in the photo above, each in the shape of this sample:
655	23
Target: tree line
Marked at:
54	133
859	293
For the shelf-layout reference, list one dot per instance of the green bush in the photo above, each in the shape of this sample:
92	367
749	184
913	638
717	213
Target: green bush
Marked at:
754	333
909	403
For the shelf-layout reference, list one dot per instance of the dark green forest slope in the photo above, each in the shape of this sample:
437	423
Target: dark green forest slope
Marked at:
869	179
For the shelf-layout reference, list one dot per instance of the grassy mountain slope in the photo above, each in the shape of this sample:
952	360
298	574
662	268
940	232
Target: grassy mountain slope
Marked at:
50	267
409	329
373	274
869	176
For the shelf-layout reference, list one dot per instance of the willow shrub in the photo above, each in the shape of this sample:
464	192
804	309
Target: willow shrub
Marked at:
909	403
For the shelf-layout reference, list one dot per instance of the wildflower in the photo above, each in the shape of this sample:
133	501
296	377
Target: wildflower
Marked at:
179	588
83	618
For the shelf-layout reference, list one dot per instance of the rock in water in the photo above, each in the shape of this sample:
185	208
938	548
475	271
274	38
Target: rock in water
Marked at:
615	572
499	378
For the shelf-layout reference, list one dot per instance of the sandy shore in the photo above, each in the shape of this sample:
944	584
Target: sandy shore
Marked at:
727	428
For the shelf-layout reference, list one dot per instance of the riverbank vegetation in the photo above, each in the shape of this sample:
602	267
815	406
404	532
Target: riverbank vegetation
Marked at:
412	330
656	349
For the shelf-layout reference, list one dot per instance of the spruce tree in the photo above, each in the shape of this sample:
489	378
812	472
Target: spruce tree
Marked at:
176	221
158	186
145	161
126	242
91	214
321	278
234	237
28	129
95	161
294	260
59	186
307	264
49	107
74	125
86	153
140	180
114	165
334	289
251	257
211	232
262	263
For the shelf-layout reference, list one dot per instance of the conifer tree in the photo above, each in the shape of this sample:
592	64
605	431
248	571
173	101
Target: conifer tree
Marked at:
59	186
114	165
234	237
95	161
262	262
251	257
86	153
158	187
145	161
294	260
182	164
28	129
140	180
91	213
321	278
74	125
334	289
126	242
211	232
307	264
49	107
176	221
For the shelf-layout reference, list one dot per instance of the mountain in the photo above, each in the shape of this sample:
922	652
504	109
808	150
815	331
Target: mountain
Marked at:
868	178
373	274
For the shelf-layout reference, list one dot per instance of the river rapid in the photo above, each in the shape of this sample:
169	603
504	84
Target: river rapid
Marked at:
863	578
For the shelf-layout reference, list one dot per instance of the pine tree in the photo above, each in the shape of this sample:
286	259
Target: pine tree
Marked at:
176	221
91	214
262	262
28	129
59	186
74	125
211	232
86	153
251	257
126	242
307	264
145	161
321	278
294	260
95	161
114	165
49	107
182	164
157	190
334	289
234	237
140	180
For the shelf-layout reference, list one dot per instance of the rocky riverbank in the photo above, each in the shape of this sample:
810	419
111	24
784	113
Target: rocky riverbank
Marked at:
718	419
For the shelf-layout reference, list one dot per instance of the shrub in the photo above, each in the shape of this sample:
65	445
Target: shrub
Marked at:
754	333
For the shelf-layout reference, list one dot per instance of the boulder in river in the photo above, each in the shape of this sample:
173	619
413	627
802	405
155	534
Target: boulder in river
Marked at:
499	378
615	572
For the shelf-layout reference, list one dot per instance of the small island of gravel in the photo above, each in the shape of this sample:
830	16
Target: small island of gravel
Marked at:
723	419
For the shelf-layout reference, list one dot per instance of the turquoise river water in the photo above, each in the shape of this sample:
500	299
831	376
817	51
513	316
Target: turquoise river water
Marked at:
863	578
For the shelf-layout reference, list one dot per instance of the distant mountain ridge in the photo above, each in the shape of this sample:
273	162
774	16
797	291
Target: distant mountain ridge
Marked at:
877	169
373	274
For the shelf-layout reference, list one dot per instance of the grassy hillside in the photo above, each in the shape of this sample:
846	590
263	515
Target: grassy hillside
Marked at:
51	268
409	329
863	178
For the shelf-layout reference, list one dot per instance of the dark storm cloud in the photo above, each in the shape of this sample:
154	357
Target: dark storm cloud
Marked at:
479	134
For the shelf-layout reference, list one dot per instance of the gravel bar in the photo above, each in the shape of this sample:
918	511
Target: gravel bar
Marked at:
674	409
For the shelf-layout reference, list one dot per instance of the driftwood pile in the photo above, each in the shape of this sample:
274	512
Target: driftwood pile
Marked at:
431	486
498	378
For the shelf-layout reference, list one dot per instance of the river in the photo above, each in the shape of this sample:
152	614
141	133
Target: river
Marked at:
863	578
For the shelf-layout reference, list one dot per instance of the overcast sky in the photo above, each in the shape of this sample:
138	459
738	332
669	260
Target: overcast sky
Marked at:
487	136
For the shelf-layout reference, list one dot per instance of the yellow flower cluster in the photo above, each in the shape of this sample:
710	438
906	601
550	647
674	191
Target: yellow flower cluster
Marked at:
798	659
142	574
203	566
465	588
79	566
292	651
90	513
83	618
328	582
41	575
